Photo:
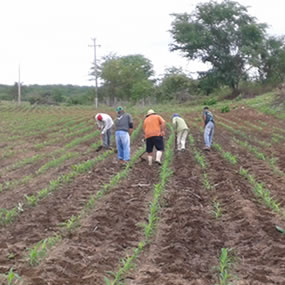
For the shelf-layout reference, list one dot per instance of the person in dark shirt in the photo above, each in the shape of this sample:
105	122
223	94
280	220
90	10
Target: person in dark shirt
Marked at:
209	127
123	130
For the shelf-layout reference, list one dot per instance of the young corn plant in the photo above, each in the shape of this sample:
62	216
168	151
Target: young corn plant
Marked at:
11	276
227	155
200	159
217	209
40	250
56	162
36	253
261	192
8	216
206	182
225	264
72	223
31	200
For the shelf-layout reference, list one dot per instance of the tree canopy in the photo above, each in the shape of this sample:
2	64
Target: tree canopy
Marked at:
223	35
127	77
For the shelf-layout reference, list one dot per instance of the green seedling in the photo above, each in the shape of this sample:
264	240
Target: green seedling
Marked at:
206	183
217	209
32	200
225	263
11	276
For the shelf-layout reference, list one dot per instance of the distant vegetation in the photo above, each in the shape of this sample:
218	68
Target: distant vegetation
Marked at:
243	61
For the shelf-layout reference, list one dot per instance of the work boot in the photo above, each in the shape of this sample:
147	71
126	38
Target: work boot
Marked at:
149	158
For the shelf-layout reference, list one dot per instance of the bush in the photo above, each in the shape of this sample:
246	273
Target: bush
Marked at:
211	101
225	109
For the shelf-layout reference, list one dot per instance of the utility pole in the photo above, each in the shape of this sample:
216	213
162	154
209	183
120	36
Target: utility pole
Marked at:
19	85
95	72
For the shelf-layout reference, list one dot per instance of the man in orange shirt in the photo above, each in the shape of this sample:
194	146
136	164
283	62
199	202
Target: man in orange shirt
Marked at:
154	131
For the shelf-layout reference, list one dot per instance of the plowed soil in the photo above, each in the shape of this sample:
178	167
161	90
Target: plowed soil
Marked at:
189	237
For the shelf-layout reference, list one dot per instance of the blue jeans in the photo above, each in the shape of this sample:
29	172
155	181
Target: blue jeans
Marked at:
208	134
123	145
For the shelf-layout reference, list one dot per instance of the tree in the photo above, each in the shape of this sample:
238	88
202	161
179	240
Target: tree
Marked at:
175	85
127	77
272	60
223	35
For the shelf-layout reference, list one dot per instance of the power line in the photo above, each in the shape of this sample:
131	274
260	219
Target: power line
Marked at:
19	85
95	72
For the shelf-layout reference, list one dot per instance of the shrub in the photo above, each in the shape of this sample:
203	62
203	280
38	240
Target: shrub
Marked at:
225	109
211	101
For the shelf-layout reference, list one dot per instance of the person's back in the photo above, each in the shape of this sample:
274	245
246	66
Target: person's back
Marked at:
154	130
106	122
179	123
152	126
123	122
208	116
181	130
124	127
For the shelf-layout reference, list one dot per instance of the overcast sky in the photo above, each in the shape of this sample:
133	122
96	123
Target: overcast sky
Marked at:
50	39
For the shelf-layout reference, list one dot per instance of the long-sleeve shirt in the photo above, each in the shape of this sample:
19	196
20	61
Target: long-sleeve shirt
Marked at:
179	124
124	122
105	124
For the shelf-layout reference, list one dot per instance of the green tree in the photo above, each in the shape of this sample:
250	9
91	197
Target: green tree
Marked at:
127	77
272	60
222	35
175	85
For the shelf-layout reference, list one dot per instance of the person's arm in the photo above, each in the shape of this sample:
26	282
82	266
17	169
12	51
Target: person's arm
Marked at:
131	124
104	127
162	127
175	124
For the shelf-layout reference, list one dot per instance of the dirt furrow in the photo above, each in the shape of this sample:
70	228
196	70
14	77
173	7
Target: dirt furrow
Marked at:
10	197
185	248
110	232
42	221
250	226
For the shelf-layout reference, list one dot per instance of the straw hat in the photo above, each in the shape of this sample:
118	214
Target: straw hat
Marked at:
149	112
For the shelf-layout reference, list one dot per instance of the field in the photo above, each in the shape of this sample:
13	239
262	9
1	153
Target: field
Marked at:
71	215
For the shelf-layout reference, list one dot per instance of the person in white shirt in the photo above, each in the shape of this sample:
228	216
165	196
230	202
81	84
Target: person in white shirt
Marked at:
105	123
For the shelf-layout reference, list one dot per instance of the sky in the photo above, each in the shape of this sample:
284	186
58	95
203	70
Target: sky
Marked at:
50	41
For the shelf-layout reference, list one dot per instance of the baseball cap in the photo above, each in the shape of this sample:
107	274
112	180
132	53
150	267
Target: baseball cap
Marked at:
119	108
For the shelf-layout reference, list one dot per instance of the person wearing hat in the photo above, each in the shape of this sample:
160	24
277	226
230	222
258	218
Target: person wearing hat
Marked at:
181	129
105	123
209	127
154	131
124	127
